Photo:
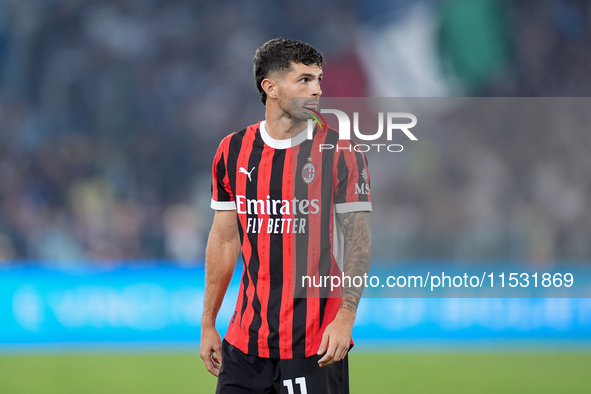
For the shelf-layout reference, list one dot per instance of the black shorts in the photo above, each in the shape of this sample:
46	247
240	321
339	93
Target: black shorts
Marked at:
243	373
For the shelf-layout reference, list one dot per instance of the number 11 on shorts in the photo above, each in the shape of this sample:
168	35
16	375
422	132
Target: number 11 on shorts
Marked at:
299	381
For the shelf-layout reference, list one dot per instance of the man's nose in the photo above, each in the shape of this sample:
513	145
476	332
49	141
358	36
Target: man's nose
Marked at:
316	91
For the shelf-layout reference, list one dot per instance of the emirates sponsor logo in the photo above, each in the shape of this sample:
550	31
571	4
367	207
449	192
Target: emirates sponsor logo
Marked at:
277	207
273	225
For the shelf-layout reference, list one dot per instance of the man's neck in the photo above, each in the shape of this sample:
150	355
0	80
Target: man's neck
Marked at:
280	127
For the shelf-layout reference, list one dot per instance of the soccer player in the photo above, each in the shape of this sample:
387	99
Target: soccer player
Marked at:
287	206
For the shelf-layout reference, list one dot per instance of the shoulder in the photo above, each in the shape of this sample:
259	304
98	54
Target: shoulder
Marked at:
235	139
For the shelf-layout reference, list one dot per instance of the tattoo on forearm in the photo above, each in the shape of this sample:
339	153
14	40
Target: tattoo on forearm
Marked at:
356	228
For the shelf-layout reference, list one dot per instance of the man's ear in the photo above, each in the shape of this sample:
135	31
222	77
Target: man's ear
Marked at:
270	88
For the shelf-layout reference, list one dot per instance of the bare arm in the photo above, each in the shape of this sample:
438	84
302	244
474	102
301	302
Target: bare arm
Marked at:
337	336
357	230
222	251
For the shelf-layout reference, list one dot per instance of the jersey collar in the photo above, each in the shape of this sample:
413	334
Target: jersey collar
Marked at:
280	144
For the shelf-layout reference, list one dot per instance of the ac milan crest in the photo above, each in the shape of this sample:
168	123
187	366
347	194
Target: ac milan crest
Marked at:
308	172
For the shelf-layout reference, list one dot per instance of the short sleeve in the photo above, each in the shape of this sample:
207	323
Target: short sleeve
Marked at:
352	191
222	198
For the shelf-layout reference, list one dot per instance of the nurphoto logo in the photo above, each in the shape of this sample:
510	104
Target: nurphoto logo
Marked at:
393	125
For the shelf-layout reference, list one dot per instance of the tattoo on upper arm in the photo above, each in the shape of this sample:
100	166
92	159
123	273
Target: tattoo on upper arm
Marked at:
357	231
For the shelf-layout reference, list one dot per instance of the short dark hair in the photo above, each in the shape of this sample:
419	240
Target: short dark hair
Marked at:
277	55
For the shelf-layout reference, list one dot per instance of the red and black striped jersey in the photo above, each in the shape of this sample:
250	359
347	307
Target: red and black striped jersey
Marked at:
287	194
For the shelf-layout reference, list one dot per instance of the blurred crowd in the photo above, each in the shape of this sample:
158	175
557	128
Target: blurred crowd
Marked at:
110	112
488	179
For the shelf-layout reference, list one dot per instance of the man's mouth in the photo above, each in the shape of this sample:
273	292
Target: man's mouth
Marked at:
313	106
